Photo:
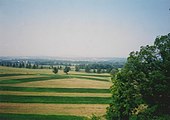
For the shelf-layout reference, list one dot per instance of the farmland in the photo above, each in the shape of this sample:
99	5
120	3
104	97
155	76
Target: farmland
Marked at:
40	94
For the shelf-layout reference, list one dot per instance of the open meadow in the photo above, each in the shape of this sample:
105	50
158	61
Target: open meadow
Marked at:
41	94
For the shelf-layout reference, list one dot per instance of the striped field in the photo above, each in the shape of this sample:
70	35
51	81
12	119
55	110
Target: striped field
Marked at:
39	94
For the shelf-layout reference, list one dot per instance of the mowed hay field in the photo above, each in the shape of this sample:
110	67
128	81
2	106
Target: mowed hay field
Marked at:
40	94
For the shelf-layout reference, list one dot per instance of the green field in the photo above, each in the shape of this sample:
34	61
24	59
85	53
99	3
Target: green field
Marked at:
68	90
54	99
39	94
38	117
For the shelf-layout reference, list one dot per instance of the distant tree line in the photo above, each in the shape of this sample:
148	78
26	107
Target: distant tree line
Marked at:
98	68
50	63
58	67
89	68
21	65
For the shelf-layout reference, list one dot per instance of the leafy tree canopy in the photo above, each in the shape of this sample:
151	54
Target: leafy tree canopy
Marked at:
145	79
55	70
67	69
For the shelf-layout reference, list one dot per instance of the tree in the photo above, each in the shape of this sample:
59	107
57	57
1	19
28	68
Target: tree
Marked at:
23	65
60	67
108	70
145	79
113	71
29	65
87	68
66	69
98	70
41	67
55	70
34	66
77	68
20	65
94	70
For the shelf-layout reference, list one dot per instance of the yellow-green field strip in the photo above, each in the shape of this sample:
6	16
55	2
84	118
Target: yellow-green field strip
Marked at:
11	116
64	83
40	78
19	77
54	99
53	109
93	75
55	94
14	81
8	75
60	90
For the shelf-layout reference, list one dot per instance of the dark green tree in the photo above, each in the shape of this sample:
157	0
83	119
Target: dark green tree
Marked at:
34	66
23	65
20	65
55	70
13	65
99	70
77	68
145	79
66	69
108	70
29	65
41	67
113	71
26	66
60	67
87	69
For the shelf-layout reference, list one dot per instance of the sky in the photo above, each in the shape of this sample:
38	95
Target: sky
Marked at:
80	28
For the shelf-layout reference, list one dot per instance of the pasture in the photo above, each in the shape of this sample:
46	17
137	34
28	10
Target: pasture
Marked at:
40	94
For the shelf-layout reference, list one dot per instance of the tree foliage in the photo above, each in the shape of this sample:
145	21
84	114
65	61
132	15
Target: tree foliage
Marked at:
55	70
99	70
145	79
77	68
67	69
87	69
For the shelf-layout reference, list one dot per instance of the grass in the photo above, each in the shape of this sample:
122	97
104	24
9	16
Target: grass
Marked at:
68	90
23	80
19	77
65	83
55	94
50	96
10	116
11	70
53	109
48	77
54	99
95	75
5	75
85	76
90	78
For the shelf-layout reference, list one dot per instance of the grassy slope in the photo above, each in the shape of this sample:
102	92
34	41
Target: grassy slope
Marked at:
53	109
91	74
14	81
4	75
55	94
46	74
68	90
23	80
54	99
38	117
11	70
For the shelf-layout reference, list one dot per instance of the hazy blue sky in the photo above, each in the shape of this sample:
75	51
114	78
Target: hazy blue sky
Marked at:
74	28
